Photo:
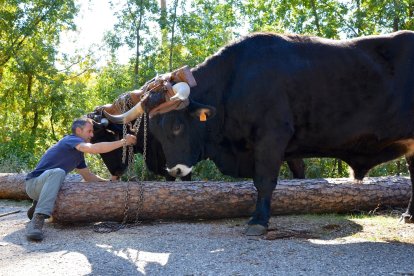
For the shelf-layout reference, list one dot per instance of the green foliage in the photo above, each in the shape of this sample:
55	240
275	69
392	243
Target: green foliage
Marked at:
24	21
111	81
207	170
321	18
38	101
29	82
97	166
208	26
397	167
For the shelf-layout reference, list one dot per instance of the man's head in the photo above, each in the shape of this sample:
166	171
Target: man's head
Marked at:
83	128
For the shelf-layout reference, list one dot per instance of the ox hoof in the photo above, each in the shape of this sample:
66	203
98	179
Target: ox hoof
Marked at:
358	182
407	218
255	230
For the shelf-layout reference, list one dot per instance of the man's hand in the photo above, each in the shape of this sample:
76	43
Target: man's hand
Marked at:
130	140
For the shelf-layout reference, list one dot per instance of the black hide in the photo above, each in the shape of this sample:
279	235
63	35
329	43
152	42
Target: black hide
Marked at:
281	97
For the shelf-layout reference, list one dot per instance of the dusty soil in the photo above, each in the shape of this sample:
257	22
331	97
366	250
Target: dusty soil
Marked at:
294	245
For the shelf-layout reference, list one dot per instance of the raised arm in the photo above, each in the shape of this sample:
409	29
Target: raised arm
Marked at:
104	147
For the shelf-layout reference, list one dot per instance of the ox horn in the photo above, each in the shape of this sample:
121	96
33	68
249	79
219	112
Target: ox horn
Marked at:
181	90
128	116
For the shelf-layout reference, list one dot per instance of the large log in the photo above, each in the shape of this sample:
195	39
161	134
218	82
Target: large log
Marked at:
105	201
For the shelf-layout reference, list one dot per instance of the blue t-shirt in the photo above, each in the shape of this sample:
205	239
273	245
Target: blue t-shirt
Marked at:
63	155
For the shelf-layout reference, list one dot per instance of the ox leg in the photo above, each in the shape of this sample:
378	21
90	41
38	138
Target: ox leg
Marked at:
358	172
408	215
259	222
267	166
297	167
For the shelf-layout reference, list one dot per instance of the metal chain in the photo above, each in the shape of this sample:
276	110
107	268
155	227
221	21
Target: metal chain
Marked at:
122	103
144	154
125	102
107	227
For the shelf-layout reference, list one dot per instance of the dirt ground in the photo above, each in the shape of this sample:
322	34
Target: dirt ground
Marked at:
294	245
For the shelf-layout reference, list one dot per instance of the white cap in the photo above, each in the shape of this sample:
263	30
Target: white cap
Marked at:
181	90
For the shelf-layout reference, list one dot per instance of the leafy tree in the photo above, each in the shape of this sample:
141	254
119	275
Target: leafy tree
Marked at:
132	28
22	20
380	16
208	26
29	37
321	18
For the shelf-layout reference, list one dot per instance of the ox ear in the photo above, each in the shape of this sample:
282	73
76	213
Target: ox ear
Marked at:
201	112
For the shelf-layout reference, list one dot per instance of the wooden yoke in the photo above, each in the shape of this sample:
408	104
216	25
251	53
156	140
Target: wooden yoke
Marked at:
183	74
159	84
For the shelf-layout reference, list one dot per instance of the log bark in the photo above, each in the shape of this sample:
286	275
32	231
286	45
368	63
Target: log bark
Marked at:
105	201
12	185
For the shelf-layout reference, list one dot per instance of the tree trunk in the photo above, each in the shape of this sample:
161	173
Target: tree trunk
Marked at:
163	21
358	21
315	15
137	27
172	34
105	201
340	169
396	19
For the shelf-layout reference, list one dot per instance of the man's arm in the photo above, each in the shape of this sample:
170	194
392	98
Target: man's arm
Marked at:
88	176
104	147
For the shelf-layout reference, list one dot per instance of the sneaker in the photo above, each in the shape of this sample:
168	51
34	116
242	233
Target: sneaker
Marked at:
31	210
34	227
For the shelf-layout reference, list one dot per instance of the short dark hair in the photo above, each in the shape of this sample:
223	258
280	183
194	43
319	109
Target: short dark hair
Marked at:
80	123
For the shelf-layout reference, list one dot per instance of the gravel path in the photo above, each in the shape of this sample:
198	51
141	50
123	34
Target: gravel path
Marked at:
193	248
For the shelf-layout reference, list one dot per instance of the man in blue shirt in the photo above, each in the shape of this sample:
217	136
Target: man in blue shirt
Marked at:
43	184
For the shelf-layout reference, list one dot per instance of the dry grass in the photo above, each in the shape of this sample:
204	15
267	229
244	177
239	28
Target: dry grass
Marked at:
384	226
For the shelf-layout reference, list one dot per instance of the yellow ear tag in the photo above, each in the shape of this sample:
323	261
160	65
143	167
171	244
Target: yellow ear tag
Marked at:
203	117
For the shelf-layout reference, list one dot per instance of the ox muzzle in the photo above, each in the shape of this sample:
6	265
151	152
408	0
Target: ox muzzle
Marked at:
179	170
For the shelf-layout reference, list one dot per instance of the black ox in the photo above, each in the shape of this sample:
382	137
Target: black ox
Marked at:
271	97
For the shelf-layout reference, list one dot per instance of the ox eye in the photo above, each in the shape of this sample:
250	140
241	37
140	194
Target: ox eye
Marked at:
177	128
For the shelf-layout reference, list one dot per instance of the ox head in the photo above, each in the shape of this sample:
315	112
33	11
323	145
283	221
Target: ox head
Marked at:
182	136
181	132
105	131
162	106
